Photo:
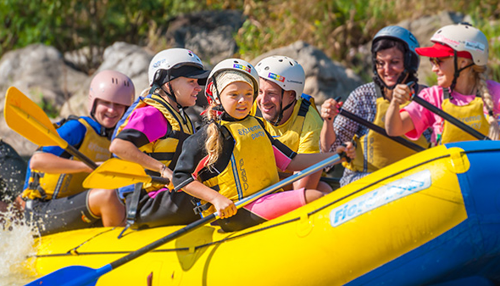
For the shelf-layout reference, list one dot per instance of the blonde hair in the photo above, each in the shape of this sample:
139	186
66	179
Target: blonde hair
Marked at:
482	87
213	144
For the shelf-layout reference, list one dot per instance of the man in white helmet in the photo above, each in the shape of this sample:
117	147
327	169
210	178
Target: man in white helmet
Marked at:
289	115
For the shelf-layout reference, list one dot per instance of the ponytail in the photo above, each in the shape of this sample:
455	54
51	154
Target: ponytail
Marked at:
214	142
487	99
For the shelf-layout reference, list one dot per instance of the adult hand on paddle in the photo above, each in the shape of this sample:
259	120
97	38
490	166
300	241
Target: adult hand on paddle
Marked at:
402	93
330	108
347	151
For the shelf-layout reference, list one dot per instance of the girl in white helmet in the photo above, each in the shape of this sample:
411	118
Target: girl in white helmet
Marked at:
394	62
233	156
458	56
56	199
151	134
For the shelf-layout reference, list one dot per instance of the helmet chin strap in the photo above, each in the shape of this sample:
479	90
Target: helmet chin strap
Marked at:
281	110
457	71
170	93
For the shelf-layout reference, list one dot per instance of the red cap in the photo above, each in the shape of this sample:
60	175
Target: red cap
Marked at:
441	51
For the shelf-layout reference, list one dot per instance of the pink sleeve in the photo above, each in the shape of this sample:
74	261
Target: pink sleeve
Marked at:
282	160
150	121
420	116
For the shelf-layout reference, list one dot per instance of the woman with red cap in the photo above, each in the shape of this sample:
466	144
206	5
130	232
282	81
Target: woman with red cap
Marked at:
458	56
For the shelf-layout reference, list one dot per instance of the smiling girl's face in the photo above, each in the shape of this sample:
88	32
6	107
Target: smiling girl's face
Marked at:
237	99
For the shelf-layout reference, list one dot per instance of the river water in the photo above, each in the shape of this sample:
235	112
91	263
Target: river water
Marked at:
16	244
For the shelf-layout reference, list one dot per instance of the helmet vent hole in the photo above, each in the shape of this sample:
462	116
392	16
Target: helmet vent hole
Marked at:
266	68
280	60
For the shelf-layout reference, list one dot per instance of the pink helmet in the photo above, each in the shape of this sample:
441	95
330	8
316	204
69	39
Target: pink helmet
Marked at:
111	86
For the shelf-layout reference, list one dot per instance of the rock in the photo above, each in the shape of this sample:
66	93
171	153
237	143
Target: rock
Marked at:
131	60
83	59
324	77
209	34
41	73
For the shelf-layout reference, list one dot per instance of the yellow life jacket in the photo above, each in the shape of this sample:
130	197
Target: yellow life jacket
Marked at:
252	166
471	114
48	186
375	151
290	134
168	148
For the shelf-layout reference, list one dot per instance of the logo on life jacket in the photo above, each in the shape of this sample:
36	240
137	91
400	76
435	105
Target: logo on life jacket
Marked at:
243	175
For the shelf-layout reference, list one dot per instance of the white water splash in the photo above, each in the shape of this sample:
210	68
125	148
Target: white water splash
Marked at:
16	244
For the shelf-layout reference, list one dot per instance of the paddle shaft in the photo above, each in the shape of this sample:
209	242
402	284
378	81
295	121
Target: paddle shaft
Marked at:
138	178
190	227
448	117
380	130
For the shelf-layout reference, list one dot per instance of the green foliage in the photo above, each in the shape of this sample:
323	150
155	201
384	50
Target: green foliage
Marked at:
336	27
339	27
48	107
72	24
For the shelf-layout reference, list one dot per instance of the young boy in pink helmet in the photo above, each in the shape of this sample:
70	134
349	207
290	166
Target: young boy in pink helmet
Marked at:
55	198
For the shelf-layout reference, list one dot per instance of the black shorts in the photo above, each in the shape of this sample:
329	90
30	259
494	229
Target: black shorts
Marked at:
62	214
166	208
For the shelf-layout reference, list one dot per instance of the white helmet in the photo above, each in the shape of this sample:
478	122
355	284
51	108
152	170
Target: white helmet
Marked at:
232	64
284	71
463	38
172	60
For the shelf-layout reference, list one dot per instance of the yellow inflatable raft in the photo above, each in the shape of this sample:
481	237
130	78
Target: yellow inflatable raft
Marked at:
431	218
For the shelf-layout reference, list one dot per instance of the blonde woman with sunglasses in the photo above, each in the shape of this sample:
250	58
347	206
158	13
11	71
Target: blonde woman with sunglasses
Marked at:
458	56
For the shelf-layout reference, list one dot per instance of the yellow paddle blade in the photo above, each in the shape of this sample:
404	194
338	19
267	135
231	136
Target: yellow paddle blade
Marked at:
29	120
116	173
